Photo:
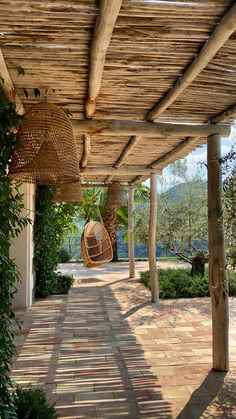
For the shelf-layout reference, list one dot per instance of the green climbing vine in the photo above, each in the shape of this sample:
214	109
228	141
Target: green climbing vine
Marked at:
11	224
51	221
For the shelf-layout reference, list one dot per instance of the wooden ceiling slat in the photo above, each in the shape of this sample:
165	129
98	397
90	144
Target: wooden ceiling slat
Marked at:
152	43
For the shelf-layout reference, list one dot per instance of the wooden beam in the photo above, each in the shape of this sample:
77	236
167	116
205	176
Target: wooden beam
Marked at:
149	129
129	170
224	116
105	22
8	88
218	38
131	232
87	150
127	150
190	142
140	178
218	281
152	238
109	178
96	185
168	157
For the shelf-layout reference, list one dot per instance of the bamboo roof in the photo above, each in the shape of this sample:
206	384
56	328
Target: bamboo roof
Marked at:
149	48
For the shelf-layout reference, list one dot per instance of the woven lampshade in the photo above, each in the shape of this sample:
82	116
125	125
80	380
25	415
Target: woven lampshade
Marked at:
116	196
46	153
71	192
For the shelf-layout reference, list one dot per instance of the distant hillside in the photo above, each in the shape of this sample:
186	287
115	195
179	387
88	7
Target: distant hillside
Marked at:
176	191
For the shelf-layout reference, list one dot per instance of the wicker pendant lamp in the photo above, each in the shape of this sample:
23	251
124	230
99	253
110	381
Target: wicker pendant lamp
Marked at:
69	193
46	154
116	196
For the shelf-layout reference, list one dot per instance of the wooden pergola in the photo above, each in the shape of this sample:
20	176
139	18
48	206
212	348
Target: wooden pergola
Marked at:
145	83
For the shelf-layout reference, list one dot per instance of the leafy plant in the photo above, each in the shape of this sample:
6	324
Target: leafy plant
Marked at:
31	403
63	284
11	224
46	242
229	203
51	221
179	283
64	255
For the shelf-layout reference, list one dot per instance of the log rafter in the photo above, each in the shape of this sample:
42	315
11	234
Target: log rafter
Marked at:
129	170
105	22
218	38
87	150
149	129
125	153
7	86
189	142
229	113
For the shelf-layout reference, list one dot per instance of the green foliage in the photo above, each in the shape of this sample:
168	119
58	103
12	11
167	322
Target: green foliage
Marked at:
93	204
50	224
11	224
64	255
63	284
182	215
229	204
31	403
141	196
178	283
46	242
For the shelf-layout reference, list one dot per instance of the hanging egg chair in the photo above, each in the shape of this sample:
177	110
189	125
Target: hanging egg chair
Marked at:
116	196
71	192
46	153
96	245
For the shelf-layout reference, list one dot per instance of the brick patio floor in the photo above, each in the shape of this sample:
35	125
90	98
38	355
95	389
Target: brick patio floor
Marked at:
104	351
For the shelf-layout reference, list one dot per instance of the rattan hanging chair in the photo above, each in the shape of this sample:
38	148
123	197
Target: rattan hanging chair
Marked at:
116	196
96	245
71	192
46	153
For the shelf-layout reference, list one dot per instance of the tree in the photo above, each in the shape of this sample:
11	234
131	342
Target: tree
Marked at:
182	217
229	202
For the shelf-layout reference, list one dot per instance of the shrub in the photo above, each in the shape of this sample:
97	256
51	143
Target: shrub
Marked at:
63	284
31	403
46	242
178	283
63	255
232	283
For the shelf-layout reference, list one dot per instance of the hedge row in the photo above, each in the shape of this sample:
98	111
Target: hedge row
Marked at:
178	283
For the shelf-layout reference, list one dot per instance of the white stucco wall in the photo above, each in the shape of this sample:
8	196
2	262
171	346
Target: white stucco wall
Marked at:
22	250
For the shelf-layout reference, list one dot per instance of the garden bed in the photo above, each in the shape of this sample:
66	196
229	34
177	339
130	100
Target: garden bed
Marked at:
178	283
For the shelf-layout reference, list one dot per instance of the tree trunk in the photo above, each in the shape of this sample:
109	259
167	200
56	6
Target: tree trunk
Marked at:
110	224
198	265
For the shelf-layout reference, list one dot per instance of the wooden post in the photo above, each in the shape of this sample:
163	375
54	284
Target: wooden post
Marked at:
131	232
218	281
152	238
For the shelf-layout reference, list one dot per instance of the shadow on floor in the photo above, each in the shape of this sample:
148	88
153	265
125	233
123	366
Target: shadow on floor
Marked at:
215	394
85	354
